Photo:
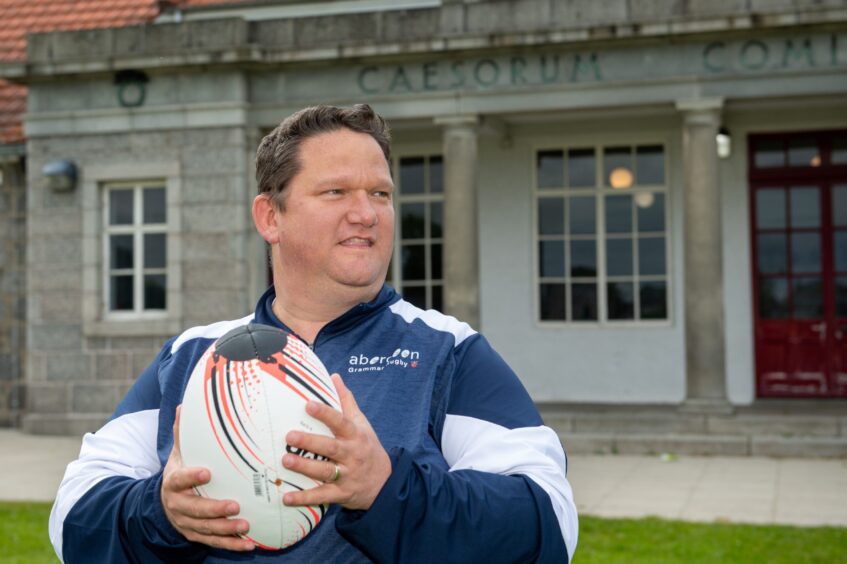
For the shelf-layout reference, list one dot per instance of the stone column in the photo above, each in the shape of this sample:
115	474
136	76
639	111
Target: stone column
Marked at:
704	301
461	239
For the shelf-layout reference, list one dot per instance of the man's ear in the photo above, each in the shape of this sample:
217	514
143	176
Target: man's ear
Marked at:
266	217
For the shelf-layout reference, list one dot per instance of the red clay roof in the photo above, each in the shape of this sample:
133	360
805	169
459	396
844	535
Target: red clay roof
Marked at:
19	17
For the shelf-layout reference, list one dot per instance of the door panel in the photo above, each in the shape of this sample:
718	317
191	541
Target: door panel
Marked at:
799	240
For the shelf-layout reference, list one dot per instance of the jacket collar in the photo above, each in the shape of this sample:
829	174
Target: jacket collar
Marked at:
355	315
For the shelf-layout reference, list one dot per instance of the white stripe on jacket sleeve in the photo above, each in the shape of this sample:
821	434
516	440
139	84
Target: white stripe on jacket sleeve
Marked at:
125	446
474	444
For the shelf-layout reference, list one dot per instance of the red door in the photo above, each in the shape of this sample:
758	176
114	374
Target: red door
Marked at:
799	239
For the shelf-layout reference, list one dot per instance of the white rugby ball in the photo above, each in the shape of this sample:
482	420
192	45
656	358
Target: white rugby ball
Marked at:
249	389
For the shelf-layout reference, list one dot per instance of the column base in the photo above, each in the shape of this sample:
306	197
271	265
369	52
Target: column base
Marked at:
707	406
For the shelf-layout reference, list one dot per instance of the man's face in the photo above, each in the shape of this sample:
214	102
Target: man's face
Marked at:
336	232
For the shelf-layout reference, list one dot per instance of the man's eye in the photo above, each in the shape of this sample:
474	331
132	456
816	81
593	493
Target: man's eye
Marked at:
382	194
333	191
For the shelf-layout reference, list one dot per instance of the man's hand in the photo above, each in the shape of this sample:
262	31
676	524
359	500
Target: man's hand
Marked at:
197	518
363	464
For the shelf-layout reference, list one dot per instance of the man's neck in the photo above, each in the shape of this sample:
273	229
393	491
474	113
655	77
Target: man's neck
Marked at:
306	316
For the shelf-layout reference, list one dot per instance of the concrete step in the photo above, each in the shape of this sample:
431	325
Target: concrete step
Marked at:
703	445
71	424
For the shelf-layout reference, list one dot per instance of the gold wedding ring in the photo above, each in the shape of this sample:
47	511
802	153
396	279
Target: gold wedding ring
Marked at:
336	475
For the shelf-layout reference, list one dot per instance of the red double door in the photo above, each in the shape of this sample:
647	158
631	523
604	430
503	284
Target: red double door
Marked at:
798	190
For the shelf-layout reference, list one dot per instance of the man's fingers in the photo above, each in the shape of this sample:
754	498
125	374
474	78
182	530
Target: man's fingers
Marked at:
314	496
196	507
228	542
317	469
186	478
220	526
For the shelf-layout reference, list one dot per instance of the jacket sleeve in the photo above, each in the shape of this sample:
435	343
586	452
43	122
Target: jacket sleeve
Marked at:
505	497
108	507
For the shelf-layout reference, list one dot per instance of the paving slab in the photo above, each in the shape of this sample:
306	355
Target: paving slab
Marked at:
790	491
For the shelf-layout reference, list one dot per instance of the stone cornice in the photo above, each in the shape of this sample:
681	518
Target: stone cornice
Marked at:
452	28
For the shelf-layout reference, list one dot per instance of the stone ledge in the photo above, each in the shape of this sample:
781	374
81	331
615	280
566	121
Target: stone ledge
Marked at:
234	41
70	424
799	447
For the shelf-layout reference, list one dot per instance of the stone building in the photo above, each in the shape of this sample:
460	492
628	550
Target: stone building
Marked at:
643	204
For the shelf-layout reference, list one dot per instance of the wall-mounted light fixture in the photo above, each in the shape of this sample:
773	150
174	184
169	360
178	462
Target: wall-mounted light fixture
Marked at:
131	88
724	142
60	176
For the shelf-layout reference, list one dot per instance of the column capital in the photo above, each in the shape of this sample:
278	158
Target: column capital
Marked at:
701	111
458	120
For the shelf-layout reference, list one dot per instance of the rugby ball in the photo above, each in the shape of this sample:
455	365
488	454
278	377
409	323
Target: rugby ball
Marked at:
248	390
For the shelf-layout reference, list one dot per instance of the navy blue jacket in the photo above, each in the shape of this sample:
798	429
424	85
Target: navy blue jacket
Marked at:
476	476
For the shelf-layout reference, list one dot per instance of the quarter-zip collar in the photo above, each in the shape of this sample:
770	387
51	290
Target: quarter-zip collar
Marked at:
353	316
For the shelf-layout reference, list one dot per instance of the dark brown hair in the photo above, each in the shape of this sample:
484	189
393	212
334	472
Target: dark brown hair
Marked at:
277	159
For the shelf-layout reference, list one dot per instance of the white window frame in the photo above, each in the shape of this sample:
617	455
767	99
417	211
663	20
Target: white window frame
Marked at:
98	321
427	240
137	229
599	191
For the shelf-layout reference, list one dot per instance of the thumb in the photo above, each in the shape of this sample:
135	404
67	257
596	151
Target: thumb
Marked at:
348	402
176	448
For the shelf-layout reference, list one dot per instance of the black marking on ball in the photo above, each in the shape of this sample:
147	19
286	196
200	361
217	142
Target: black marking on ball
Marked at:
252	341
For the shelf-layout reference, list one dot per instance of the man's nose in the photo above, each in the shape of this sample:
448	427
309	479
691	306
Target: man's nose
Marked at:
362	210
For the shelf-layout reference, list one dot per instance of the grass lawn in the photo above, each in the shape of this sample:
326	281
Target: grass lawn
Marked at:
23	539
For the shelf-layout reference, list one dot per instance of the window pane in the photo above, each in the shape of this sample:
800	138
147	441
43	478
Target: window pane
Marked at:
551	216
437	299
435	219
773	298
808	298
619	297
551	169
654	302
584	302
154	291
770	208
618	214
436	175
650	211
805	252
619	257
436	262
769	153
772	253
120	293
841	296
120	207
651	256
805	207
412	221
552	298
839	151
840	250
650	165
551	257
617	167
803	152
121	252
582	219
415	295
155	252
581	168
414	267
584	258
412	175
154	205
839	205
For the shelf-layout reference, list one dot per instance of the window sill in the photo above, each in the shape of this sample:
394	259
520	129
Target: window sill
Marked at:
132	328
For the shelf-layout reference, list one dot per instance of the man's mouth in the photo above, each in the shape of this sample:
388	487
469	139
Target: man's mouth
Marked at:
357	242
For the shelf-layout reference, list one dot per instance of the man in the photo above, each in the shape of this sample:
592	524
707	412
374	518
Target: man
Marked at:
443	461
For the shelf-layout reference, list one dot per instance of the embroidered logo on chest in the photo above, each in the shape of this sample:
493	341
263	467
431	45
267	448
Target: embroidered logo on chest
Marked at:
401	358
